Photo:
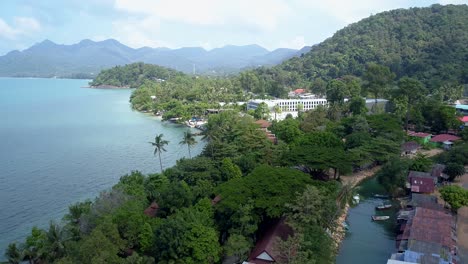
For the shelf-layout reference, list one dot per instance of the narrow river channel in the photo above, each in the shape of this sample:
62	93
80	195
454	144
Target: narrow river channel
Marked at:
367	241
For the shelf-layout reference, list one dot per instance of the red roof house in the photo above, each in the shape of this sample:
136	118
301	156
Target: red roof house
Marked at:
265	250
464	119
444	137
421	183
263	124
421	137
152	210
216	200
418	134
299	91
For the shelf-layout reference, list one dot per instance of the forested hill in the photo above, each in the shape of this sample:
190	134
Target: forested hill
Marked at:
133	75
429	44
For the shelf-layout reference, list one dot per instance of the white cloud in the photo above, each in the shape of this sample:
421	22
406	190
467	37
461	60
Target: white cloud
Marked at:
261	15
297	42
453	2
138	32
350	11
6	31
21	26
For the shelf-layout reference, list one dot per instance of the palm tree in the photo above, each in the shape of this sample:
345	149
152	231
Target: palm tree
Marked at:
188	139
158	145
55	242
13	254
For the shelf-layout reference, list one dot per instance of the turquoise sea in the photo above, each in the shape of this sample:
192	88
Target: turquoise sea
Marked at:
61	143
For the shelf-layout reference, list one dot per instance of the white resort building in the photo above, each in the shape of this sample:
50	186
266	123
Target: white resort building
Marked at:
288	106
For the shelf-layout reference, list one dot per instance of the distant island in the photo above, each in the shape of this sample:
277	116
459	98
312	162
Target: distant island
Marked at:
87	58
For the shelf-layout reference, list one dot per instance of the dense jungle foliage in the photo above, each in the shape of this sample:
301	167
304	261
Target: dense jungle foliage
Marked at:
428	44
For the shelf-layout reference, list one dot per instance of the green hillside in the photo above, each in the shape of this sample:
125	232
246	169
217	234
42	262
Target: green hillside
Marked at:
429	44
133	75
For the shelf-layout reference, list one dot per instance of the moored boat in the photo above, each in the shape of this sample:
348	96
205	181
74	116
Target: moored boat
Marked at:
383	206
380	217
381	196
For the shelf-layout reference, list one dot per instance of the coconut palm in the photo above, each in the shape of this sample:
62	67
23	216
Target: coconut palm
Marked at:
13	254
55	242
188	140
158	145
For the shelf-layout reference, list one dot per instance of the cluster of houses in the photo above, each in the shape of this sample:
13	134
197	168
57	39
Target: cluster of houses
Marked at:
442	140
426	230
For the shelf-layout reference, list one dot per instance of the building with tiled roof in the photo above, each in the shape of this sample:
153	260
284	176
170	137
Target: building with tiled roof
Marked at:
444	137
421	182
421	137
266	250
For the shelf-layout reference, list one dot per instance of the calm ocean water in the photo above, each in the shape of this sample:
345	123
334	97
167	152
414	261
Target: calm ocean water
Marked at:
61	144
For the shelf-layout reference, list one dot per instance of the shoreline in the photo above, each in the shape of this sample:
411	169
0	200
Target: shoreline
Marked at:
355	179
106	87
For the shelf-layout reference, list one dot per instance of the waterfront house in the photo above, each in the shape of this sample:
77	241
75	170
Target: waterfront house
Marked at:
421	182
427	236
444	140
410	148
266	248
421	137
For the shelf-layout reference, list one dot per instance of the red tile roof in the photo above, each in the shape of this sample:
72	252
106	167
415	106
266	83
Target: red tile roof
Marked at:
444	137
216	200
299	91
267	243
432	226
421	184
152	210
418	134
263	123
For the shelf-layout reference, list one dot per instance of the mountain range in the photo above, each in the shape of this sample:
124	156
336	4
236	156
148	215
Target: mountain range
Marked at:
87	58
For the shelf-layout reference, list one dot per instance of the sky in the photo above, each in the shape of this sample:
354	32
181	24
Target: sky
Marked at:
186	23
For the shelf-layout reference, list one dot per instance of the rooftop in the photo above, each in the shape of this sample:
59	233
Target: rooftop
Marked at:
444	137
263	123
418	134
266	244
410	146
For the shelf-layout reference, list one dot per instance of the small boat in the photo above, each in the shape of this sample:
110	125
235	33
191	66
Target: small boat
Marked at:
384	196
356	198
345	225
380	217
383	206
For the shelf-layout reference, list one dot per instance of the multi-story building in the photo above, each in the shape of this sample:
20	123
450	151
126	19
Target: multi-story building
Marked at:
287	106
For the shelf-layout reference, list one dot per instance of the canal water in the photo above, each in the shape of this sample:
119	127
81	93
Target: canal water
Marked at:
367	241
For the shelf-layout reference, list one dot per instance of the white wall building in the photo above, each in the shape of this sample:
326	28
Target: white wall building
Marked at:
288	106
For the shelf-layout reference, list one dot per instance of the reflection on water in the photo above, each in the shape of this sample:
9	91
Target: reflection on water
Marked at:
368	241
